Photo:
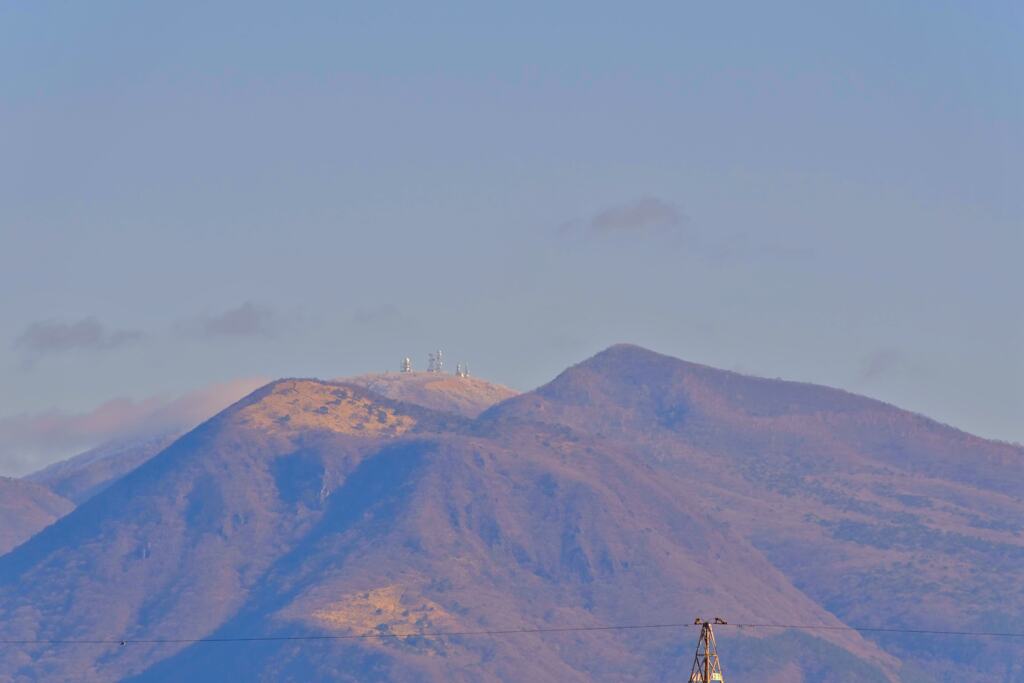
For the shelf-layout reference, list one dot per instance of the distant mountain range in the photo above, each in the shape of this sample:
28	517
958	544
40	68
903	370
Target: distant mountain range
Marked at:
634	489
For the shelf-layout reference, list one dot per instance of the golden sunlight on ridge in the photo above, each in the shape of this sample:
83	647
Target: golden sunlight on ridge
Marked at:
294	405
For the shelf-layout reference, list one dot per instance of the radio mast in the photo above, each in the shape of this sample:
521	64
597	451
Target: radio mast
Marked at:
435	361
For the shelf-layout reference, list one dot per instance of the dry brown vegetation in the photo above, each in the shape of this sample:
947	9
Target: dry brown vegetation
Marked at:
632	489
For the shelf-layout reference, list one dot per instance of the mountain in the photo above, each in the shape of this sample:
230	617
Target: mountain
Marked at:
884	517
25	508
81	477
634	489
468	396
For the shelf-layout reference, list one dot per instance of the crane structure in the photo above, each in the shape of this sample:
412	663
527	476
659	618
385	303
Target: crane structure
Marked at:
706	667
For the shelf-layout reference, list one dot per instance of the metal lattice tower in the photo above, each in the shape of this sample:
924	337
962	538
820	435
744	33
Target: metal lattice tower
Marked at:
706	667
435	361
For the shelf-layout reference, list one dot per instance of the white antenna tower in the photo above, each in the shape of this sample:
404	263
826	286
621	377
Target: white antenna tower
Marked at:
435	361
407	364
462	370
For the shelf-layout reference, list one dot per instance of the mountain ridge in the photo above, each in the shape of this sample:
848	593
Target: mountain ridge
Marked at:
26	507
624	492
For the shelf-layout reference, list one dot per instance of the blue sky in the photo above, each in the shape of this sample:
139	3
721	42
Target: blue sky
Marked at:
194	195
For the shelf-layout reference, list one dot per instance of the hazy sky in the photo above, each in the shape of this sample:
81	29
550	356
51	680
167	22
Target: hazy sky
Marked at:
195	194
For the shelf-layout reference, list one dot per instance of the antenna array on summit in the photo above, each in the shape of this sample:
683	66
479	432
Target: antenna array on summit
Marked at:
435	365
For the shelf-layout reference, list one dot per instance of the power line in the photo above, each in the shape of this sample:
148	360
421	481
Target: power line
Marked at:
882	629
360	636
504	632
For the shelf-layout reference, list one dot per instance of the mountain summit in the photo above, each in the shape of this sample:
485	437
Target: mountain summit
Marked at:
468	396
635	489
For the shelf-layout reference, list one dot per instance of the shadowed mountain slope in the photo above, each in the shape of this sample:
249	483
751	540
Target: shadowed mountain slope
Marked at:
83	476
884	517
80	477
25	508
173	547
461	534
633	489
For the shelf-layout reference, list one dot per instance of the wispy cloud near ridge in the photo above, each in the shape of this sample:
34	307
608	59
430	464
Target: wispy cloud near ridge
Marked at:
31	441
888	362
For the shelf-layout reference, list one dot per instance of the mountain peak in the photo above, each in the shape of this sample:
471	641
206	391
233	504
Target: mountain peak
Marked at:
634	488
627	372
292	405
624	351
466	396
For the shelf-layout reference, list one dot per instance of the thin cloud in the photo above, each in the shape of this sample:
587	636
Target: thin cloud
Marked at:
53	336
641	215
653	218
247	320
887	362
377	315
31	441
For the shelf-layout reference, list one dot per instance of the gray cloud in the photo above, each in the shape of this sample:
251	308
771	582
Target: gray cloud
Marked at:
655	218
880	362
52	336
377	315
383	320
885	362
646	217
247	320
31	441
641	215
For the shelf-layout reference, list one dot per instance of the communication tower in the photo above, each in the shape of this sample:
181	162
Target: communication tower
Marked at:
435	361
462	370
407	364
706	667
